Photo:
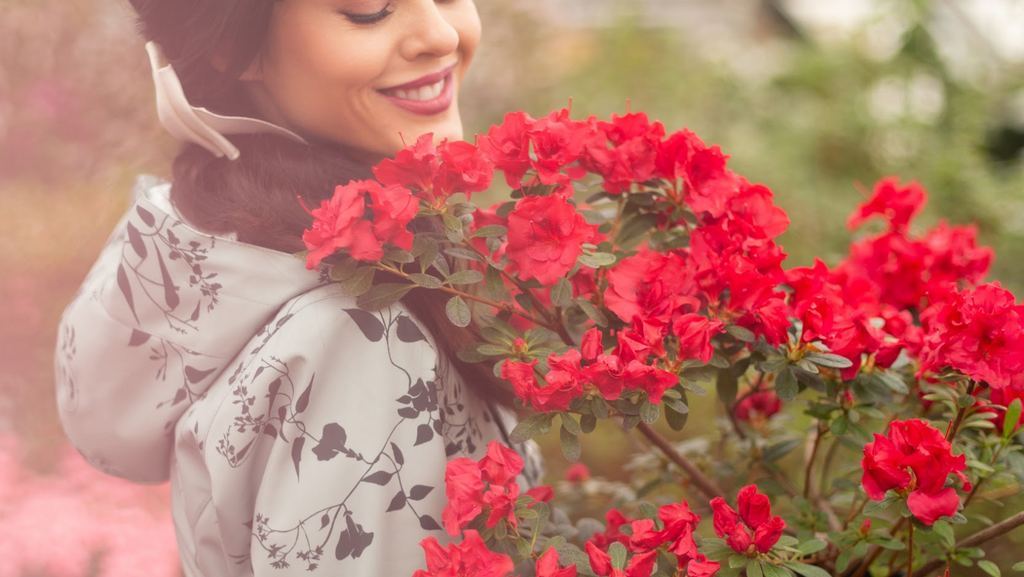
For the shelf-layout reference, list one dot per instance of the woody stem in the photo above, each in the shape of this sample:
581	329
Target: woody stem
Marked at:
910	551
700	480
960	413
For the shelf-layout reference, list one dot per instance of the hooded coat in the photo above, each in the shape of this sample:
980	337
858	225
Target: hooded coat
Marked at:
299	433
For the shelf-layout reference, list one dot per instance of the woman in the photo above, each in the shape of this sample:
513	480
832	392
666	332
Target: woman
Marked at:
298	432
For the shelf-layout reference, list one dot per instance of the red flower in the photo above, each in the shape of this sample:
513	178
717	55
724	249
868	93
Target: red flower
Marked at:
694	333
508	147
464	486
701	567
547	565
558	142
470	557
641	565
614	519
545	236
757	407
554	396
635	143
980	333
339	224
608	374
577	473
437	172
898	205
680	524
754	516
652	380
915	459
500	465
540	493
464	489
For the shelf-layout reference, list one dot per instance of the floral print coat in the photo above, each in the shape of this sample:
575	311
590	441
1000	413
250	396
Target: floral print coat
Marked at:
299	433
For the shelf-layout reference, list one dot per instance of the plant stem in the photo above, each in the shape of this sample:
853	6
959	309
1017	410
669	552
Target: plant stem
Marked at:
961	412
999	529
810	461
700	480
910	551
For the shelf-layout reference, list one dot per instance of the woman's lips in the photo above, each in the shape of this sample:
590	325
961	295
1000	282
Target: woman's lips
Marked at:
423	99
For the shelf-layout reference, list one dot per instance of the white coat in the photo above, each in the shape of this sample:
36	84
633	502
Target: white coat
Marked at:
300	434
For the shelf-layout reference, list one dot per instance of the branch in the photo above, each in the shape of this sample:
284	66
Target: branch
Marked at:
700	480
999	529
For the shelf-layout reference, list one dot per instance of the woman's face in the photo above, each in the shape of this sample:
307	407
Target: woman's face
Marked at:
368	74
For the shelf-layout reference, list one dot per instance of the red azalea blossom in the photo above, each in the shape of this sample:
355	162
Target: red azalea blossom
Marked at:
465	488
471	557
755	408
437	172
545	237
915	459
577	473
614	519
547	565
558	142
508	147
753	528
641	565
898	205
978	332
339	223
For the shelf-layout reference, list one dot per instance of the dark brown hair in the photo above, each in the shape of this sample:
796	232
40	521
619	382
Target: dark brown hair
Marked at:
255	195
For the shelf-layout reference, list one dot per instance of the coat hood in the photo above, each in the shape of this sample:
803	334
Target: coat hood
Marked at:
164	310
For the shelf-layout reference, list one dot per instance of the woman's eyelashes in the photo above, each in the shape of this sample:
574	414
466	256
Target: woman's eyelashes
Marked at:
364	18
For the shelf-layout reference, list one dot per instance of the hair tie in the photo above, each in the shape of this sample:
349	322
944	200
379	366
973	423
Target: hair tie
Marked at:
199	125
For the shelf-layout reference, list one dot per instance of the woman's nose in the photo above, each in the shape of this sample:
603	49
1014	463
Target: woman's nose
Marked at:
429	32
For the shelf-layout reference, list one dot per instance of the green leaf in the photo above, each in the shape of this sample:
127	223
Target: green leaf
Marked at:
593	312
383	295
829	360
467	276
398	255
873	508
715	549
736	560
358	283
1012	418
570	445
617	551
989	567
527	428
812	546
742	333
588	423
597	259
630	421
754	567
838	426
806	570
463	253
489	231
344	269
495	284
676	420
843	561
569	422
452	227
561	293
965	401
786	386
491	350
458	311
780	450
1019	566
773	570
649	412
426	280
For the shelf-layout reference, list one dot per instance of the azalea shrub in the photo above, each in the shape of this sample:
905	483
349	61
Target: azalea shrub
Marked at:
632	270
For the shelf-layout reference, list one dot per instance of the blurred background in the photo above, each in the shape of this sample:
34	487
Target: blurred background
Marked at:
813	98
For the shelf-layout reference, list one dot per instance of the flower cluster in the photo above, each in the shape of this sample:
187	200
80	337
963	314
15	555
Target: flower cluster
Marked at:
669	275
361	217
753	530
470	557
914	459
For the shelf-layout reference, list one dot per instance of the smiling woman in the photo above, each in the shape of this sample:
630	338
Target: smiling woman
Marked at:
297	430
365	73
